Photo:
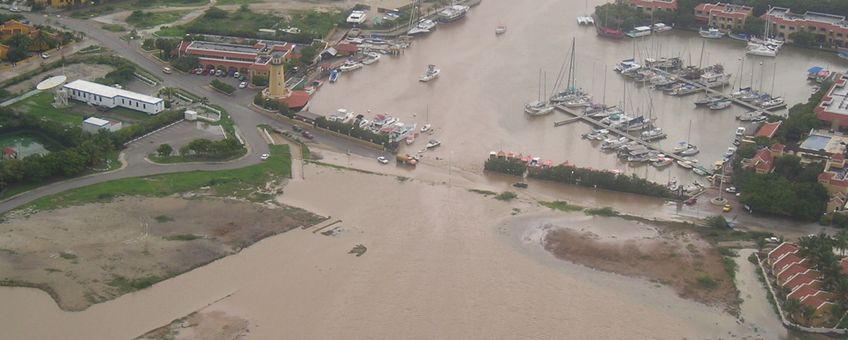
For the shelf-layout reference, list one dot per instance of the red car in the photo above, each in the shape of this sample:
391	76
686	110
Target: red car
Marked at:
307	135
691	201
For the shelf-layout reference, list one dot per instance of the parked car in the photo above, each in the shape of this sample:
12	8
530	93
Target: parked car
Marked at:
167	70
264	156
690	201
242	84
520	185
44	55
297	128
219	73
307	135
236	75
730	190
727	208
382	160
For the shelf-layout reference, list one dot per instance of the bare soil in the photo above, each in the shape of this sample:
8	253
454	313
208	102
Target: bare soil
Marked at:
96	252
678	259
209	325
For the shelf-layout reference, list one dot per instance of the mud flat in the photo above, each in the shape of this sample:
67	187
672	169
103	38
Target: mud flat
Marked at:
91	253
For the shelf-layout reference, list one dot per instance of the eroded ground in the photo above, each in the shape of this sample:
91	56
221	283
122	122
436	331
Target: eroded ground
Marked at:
92	253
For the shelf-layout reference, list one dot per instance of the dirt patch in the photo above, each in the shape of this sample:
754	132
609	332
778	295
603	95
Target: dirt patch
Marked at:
92	253
211	325
73	71
681	260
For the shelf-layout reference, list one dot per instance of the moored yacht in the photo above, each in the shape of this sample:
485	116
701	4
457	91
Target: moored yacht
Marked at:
453	13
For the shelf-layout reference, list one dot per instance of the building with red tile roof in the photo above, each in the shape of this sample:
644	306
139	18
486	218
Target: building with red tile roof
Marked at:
9	153
344	49
768	129
785	261
829	28
247	59
803	291
297	100
834	177
790	271
762	162
798	281
780	251
651	6
833	107
725	17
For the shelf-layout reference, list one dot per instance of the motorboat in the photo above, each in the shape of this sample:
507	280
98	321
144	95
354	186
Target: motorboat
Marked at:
570	94
334	75
423	26
431	73
538	108
370	58
653	134
738	36
501	29
433	144
752	116
578	102
662	163
609	32
350	66
585	20
664	63
680	147
639	31
720	104
452	13
660	27
714	78
685	164
700	171
761	50
410	139
704	101
690	151
627	65
772	102
711	33
426	127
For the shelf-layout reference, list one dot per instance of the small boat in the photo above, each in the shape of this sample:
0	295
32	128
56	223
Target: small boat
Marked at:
423	26
433	144
700	171
410	139
431	73
752	116
370	58
661	27
426	127
653	134
350	66
772	102
707	100
585	20
662	163
711	33
501	29
761	50
452	13
691	151
738	36
720	104
685	164
334	75
538	108
639	31
609	32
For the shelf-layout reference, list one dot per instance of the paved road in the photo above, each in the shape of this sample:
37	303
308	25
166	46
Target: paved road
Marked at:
237	105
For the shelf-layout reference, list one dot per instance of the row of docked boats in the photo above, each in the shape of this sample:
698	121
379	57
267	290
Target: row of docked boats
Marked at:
446	15
667	80
382	123
758	98
530	160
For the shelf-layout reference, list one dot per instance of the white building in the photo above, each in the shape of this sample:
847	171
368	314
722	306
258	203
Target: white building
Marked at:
357	17
107	96
93	124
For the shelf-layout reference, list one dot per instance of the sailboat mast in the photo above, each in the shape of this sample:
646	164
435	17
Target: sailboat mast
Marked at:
773	75
703	44
604	98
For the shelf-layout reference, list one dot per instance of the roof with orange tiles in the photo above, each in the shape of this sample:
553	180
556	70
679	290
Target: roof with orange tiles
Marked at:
665	4
782	249
784	262
787	273
798	281
768	129
803	291
815	301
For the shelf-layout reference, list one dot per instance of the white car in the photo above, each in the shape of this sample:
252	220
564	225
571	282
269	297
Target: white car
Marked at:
264	156
730	190
242	84
236	75
382	160
45	55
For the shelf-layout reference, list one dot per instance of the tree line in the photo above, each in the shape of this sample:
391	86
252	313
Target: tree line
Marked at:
569	174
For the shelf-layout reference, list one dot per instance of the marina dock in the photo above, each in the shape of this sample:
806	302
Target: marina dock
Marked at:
714	92
578	116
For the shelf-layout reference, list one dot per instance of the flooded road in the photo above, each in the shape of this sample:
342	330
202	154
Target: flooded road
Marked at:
476	104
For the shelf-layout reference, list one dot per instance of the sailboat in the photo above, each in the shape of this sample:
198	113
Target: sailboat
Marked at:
572	96
685	148
538	107
427	125
422	25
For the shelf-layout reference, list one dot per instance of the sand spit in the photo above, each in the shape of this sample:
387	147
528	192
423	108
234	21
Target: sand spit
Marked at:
88	254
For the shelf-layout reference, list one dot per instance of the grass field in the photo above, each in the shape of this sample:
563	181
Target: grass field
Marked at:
168	31
150	19
243	182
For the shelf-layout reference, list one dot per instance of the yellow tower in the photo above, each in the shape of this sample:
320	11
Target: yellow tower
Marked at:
277	79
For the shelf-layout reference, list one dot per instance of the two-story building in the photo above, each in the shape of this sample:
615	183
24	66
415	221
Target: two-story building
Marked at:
247	59
832	30
13	27
725	17
652	6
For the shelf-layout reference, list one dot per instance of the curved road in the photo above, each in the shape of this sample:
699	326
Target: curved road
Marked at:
236	105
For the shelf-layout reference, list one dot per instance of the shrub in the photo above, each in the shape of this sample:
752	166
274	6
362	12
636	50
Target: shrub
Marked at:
506	196
222	86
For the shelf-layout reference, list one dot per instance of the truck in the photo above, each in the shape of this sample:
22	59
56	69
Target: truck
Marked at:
407	159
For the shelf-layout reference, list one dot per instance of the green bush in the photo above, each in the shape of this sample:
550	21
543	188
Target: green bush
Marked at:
259	80
506	196
222	86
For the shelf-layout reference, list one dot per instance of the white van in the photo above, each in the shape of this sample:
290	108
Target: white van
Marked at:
166	70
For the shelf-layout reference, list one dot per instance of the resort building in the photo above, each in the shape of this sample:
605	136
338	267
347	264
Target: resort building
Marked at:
833	107
94	124
246	59
831	30
763	160
725	17
60	3
107	96
799	281
651	6
833	178
12	27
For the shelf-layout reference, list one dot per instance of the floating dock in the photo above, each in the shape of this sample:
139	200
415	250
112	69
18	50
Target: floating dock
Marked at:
736	101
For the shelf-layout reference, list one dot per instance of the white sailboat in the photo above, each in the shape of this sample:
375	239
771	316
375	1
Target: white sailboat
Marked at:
538	107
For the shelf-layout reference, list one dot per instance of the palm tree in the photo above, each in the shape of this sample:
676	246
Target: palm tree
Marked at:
842	241
42	41
791	307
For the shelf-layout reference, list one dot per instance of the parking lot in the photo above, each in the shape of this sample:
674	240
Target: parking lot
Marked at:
231	76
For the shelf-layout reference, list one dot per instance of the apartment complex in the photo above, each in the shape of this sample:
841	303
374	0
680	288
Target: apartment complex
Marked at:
725	17
651	6
830	29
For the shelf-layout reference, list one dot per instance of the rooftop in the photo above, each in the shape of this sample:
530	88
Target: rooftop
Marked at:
96	121
768	129
109	92
213	46
818	141
786	14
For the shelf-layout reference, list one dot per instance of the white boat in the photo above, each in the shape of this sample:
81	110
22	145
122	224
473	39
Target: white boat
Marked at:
627	65
357	17
639	31
714	79
433	143
662	163
653	134
761	50
431	73
578	102
538	108
752	116
410	139
423	26
685	164
585	20
350	66
453	13
426	127
371	57
690	151
711	33
661	27
501	29
776	101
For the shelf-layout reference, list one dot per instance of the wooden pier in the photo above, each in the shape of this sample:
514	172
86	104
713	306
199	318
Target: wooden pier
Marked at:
713	92
577	116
